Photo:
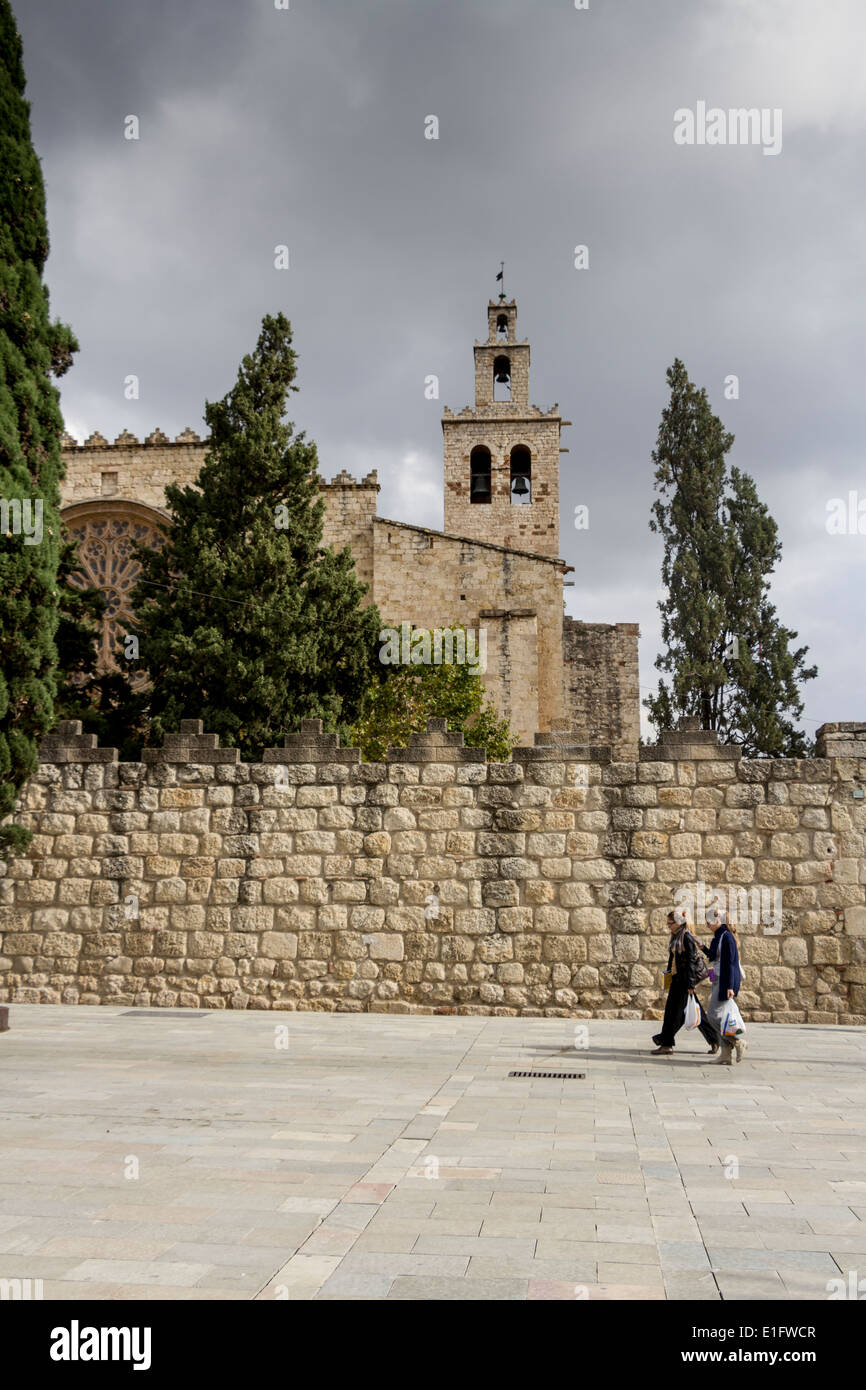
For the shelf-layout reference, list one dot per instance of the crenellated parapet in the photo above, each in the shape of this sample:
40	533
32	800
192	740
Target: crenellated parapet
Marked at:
689	740
845	740
67	744
191	745
437	745
127	440
311	745
343	479
563	745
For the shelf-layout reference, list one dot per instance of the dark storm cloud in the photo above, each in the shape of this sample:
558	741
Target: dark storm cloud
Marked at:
306	127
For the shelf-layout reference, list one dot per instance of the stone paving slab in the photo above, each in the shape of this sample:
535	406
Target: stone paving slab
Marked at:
391	1157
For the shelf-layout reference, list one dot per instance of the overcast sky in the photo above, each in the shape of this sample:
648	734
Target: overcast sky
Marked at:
306	127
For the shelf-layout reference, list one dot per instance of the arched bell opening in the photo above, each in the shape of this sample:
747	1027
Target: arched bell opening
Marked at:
502	379
479	474
521	476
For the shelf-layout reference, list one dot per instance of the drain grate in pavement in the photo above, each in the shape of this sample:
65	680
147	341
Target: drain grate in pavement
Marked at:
165	1013
554	1075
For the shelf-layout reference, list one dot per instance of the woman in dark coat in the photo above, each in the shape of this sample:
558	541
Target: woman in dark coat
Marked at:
725	956
686	969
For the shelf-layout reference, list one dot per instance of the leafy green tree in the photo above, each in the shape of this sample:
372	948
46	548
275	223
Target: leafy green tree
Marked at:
728	656
33	349
406	696
245	619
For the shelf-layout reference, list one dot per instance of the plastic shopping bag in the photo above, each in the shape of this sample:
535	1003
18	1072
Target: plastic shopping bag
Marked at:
733	1025
693	1012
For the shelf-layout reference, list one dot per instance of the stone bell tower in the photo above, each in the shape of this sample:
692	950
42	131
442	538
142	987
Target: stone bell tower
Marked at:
502	454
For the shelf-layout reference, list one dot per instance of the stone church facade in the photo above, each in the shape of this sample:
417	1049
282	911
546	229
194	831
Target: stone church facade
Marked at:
495	565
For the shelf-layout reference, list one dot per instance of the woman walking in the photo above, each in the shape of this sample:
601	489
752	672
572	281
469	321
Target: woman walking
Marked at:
685	970
727	978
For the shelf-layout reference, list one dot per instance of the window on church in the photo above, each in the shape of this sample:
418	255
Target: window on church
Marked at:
502	379
521	476
502	328
479	474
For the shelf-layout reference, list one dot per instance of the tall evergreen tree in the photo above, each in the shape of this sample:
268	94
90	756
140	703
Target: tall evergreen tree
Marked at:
245	619
33	349
729	657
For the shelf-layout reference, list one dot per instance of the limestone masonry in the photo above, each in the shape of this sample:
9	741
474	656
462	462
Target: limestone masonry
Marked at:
495	565
434	881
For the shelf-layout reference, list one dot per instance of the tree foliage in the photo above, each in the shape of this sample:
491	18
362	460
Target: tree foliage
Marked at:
407	695
245	619
33	349
728	655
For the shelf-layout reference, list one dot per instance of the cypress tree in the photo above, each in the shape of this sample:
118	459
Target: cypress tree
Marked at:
33	349
245	619
727	653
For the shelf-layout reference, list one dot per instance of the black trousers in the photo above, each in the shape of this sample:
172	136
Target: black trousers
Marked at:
675	1016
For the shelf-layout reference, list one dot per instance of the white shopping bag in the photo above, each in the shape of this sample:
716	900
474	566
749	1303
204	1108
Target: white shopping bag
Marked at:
693	1012
733	1025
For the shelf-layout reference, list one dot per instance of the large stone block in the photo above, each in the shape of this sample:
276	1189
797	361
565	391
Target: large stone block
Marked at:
385	945
855	921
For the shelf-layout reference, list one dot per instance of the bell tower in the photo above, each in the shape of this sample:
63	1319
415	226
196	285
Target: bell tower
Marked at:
502	454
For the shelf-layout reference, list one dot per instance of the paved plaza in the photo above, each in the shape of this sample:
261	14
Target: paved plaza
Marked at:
183	1155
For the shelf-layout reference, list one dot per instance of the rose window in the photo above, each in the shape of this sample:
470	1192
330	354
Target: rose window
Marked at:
107	561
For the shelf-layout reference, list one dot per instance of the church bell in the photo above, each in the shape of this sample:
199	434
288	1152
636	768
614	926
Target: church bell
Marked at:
519	486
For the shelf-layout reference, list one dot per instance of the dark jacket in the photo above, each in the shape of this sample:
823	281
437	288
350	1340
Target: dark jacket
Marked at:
723	950
684	950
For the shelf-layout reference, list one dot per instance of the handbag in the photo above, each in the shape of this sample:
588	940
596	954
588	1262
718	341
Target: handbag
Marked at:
733	1025
667	979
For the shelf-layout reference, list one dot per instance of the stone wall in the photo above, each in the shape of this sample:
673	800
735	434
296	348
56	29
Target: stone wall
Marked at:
136	471
130	469
434	881
432	579
601	689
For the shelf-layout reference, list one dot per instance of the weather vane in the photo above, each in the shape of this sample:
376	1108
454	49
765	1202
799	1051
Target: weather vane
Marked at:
501	276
